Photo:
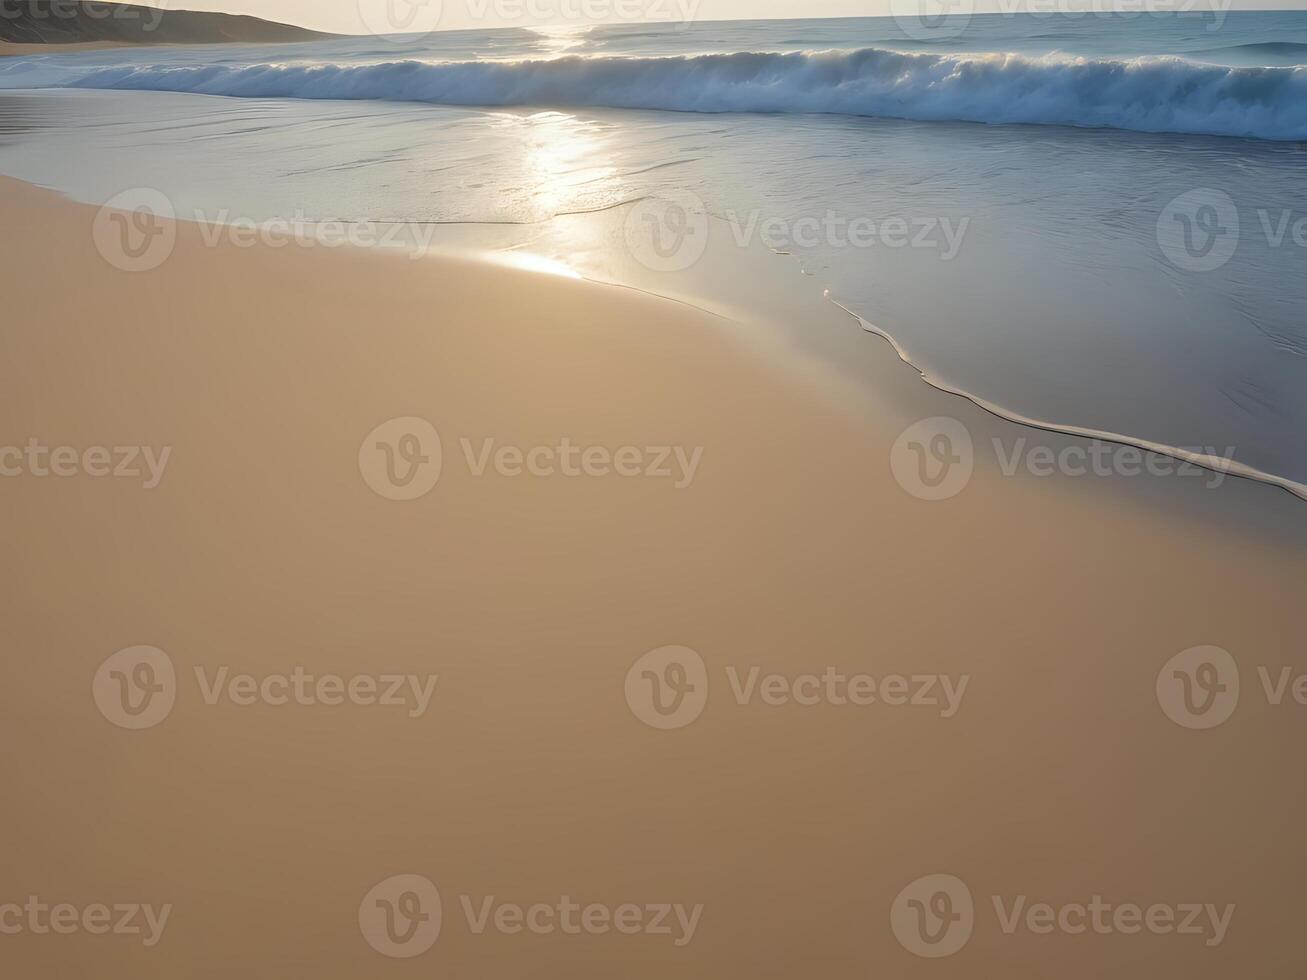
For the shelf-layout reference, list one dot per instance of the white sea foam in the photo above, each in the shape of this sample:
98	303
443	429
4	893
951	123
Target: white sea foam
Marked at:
1150	94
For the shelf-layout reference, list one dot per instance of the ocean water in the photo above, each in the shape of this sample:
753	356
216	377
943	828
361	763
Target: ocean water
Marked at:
1093	222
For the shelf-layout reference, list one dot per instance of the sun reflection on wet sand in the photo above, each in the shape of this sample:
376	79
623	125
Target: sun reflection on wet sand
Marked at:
531	262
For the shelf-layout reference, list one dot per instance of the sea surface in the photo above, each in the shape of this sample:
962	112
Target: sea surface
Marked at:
1091	222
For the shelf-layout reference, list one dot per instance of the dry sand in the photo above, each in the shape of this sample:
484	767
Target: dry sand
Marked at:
793	550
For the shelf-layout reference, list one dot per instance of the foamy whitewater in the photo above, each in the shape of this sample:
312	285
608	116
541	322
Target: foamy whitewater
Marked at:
1118	249
1155	95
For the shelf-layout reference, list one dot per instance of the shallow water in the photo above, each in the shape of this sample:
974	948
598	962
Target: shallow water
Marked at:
1140	284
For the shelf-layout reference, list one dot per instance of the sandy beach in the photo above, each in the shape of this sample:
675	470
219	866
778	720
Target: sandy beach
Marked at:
759	523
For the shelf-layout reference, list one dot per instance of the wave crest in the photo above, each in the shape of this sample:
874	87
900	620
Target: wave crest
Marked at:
1151	94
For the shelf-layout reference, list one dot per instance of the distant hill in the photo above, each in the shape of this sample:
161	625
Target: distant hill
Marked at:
83	21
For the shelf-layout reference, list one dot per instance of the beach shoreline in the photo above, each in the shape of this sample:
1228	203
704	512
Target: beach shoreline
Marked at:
780	541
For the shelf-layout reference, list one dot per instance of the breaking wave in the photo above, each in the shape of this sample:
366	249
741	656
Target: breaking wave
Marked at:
1149	94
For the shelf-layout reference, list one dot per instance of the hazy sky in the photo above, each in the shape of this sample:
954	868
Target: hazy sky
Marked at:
396	16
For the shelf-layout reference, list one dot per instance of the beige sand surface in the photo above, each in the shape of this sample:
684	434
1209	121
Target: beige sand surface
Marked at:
262	549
